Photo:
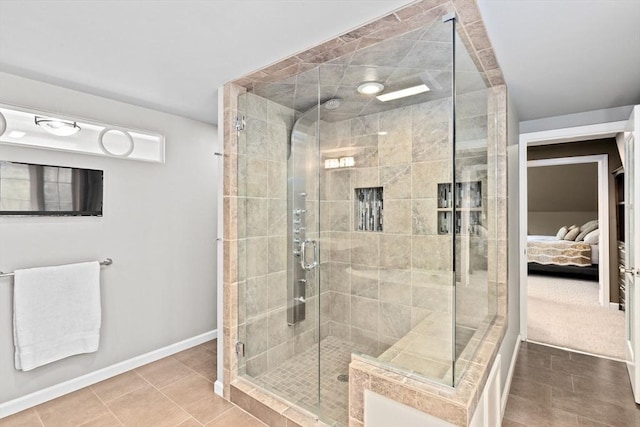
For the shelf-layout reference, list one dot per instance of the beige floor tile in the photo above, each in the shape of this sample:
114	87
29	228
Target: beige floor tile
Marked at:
188	389
212	346
106	420
27	418
236	417
207	370
118	386
72	410
164	372
147	407
196	356
190	423
208	409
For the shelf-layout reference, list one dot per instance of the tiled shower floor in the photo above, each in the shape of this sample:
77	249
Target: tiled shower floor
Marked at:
296	379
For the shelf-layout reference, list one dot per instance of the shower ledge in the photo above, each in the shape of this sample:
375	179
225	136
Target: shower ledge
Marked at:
454	405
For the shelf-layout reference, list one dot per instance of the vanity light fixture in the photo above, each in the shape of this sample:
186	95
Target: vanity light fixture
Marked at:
331	163
414	90
342	162
347	162
57	127
370	88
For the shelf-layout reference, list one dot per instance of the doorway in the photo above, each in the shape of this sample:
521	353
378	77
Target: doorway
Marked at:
570	332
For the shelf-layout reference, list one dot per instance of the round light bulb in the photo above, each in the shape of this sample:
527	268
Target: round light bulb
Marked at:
370	88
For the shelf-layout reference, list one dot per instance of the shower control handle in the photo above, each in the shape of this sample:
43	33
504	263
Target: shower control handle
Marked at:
303	258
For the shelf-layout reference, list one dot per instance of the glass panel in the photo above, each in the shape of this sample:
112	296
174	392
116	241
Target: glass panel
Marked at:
383	207
278	299
475	303
386	268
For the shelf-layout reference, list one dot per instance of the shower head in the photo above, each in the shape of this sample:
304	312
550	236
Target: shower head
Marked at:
332	103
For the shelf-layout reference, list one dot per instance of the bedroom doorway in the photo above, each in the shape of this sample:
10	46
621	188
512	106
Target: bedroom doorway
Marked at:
568	200
568	277
568	308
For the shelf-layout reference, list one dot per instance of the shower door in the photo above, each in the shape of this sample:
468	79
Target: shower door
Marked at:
279	248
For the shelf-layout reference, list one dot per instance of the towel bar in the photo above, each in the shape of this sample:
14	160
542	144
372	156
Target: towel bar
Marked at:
107	261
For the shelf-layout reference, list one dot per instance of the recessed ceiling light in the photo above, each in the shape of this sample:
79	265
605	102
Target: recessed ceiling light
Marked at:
57	127
382	132
370	88
16	134
403	93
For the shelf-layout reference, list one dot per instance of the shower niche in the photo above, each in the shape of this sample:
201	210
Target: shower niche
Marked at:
466	218
369	209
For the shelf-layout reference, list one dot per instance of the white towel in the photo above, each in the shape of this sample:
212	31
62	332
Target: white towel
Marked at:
56	313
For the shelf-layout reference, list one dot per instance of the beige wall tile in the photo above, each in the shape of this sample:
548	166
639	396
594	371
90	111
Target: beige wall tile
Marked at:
364	313
364	281
397	216
365	248
396	181
395	286
395	251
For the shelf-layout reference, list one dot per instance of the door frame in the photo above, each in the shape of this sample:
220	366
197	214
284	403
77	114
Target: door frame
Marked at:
558	136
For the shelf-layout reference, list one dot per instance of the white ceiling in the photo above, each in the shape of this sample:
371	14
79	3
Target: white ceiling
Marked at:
558	56
566	56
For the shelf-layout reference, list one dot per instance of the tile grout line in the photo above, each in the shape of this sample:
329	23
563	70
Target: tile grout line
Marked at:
38	415
106	406
121	395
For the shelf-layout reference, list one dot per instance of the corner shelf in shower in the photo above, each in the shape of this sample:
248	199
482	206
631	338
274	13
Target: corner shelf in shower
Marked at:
468	201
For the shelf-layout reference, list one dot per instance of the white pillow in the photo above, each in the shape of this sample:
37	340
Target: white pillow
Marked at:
561	233
572	234
593	238
586	229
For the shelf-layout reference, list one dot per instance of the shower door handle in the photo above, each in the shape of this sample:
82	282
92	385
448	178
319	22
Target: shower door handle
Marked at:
303	258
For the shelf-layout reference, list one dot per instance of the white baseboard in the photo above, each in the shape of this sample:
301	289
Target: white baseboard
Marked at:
512	367
218	388
614	306
21	403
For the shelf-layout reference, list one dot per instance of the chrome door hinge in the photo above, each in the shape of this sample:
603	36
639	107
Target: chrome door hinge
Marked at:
240	349
240	123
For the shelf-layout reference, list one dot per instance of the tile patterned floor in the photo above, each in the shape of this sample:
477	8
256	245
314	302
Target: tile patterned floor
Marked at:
174	391
297	379
553	387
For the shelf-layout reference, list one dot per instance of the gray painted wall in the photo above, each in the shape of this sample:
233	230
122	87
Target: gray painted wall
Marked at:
513	291
158	226
577	119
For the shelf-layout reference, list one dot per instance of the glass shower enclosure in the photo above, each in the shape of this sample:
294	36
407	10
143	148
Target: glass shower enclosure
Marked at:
365	219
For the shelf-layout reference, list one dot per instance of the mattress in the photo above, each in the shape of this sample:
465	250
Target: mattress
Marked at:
548	250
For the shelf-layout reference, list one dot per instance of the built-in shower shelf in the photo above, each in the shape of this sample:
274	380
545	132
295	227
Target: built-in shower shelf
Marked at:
369	209
468	208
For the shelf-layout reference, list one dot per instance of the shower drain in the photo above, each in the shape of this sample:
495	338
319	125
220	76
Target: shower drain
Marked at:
344	378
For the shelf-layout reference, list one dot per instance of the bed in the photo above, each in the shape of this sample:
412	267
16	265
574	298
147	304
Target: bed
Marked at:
548	255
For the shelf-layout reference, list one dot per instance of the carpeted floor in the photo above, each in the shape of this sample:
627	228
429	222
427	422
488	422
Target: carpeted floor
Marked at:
566	313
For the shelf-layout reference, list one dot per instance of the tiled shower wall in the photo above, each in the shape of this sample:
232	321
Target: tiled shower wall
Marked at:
383	284
262	247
